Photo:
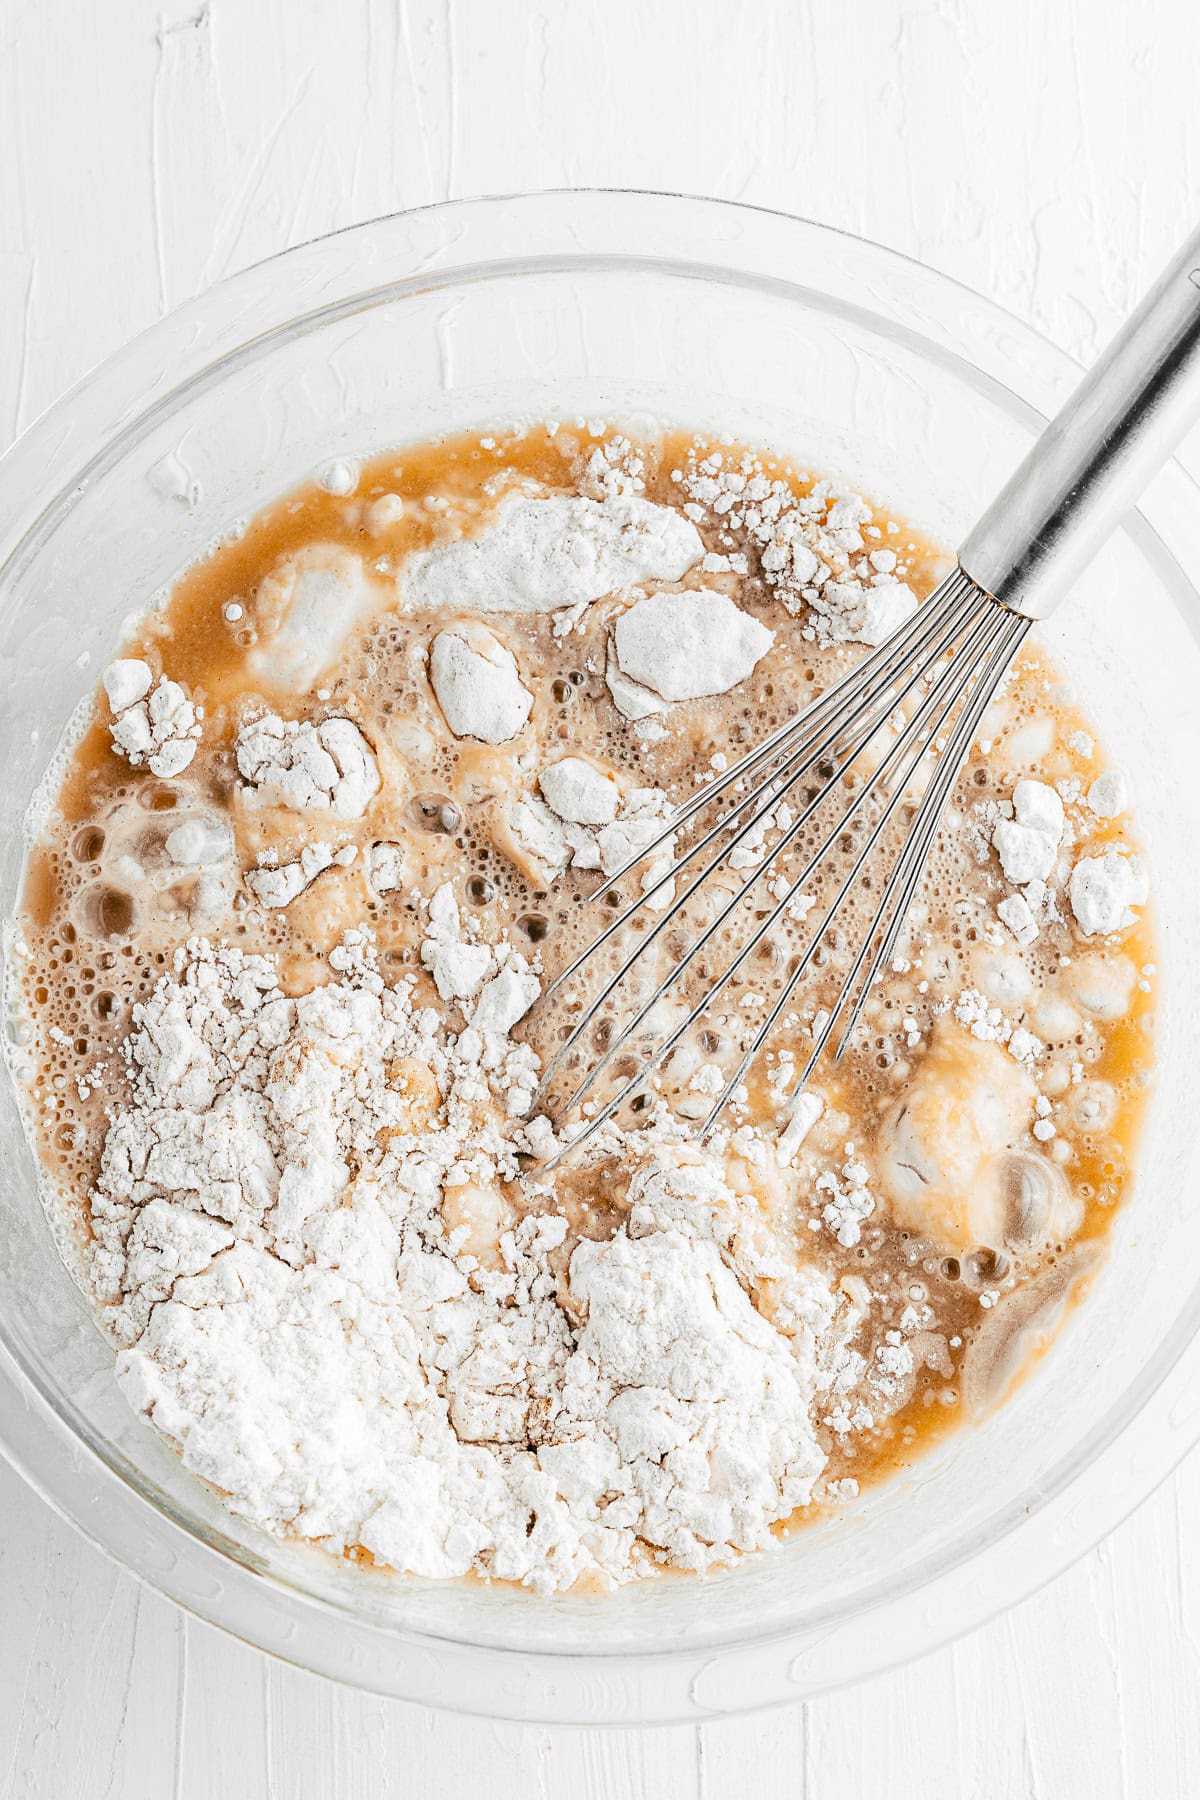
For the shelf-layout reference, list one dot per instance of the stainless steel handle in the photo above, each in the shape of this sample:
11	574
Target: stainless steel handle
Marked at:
1092	462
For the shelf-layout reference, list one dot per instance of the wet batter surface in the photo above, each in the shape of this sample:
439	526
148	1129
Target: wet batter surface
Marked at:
391	737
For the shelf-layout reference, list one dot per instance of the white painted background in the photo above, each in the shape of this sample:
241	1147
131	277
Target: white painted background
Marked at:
1045	151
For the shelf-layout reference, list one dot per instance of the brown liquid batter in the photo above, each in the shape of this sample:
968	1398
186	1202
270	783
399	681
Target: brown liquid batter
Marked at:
97	943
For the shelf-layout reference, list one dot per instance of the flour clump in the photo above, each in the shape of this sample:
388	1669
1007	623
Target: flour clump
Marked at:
277	885
851	612
685	646
563	551
1027	844
1105	890
305	609
579	792
153	728
547	842
290	763
478	686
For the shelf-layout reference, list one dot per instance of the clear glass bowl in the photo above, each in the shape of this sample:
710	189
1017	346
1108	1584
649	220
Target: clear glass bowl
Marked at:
707	314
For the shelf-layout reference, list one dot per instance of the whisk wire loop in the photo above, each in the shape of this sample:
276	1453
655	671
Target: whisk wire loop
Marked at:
872	676
912	733
987	630
901	890
951	656
935	643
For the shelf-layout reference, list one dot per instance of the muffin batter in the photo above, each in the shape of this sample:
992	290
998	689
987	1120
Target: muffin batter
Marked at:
330	832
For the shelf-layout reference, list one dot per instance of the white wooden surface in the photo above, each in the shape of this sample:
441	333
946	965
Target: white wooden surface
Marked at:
1048	154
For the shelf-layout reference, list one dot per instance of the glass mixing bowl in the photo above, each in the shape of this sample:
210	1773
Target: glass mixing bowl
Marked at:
866	365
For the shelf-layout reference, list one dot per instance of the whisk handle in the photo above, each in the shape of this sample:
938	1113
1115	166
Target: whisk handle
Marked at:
1092	462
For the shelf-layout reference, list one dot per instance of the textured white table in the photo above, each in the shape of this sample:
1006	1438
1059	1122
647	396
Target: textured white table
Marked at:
1046	154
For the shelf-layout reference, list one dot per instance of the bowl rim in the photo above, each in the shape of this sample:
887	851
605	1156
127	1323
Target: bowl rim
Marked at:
691	1682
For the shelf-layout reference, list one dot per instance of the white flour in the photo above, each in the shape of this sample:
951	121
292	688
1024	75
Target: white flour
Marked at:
278	885
303	766
156	728
1105	891
283	1231
686	646
477	684
307	607
813	550
849	612
1027	845
579	792
561	552
553	834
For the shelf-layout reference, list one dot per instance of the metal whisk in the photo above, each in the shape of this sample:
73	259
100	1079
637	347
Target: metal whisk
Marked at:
855	786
